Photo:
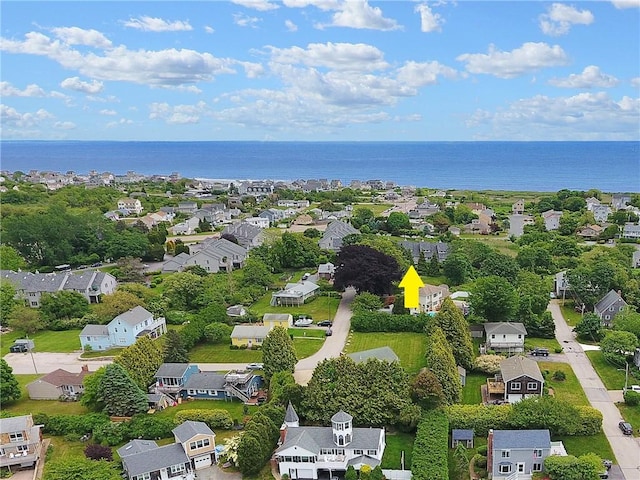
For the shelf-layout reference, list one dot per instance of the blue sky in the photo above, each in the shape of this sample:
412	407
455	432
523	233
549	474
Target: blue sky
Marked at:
320	70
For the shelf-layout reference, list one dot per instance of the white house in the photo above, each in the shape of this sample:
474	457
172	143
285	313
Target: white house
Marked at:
260	222
294	294
505	336
316	452
551	219
132	205
631	230
430	298
187	227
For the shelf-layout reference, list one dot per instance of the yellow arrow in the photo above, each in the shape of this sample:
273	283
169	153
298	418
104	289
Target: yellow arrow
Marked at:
411	282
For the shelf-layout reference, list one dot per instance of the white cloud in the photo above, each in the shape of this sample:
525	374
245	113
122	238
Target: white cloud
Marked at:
338	56
260	5
359	14
33	90
417	74
243	20
292	27
528	58
108	112
209	29
586	116
323	5
429	21
620	4
74	83
10	117
252	70
64	125
155	24
79	36
122	121
148	67
635	81
179	114
560	17
591	77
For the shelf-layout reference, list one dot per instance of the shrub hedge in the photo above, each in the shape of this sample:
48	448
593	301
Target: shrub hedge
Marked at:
430	448
383	322
216	418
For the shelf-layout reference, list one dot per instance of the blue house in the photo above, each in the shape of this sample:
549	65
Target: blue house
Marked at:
123	330
242	385
171	378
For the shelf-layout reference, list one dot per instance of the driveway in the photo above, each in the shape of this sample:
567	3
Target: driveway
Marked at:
333	345
215	473
625	448
46	362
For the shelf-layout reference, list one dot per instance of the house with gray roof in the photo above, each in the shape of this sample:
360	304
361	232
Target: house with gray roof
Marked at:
519	454
249	335
248	236
315	452
198	442
20	441
242	385
294	294
176	264
384	354
162	463
521	377
505	336
171	378
123	330
427	249
217	255
58	383
551	219
334	233
609	306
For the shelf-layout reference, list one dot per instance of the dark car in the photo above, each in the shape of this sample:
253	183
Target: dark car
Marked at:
540	352
328	333
18	348
325	323
626	428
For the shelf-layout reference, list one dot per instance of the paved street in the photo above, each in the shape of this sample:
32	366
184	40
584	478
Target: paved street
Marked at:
625	448
46	362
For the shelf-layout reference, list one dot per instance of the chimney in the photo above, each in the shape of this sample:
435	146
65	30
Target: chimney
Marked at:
283	433
85	368
490	452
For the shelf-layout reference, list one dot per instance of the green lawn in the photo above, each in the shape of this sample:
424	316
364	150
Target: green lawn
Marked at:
319	308
612	378
25	405
570	315
397	443
307	332
471	394
551	343
410	347
209	353
65	341
305	347
597	444
102	353
454	471
631	415
569	389
235	408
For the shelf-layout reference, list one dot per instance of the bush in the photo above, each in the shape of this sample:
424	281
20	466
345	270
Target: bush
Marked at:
558	350
94	451
215	418
110	433
481	461
431	446
559	376
61	425
631	398
480	418
488	363
482	450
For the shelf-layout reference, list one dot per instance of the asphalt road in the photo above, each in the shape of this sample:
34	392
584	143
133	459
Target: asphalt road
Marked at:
625	448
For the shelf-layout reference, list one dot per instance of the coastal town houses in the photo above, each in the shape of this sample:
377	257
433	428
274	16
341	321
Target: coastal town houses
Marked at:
427	249
146	460
58	384
551	219
131	205
506	337
601	213
294	294
609	306
430	298
635	259
20	442
123	330
318	452
521	377
30	287
620	200
248	236
631	230
334	233
518	207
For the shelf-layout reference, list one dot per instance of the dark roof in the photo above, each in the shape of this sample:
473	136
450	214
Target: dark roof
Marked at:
518	366
136	446
513	439
155	459
504	328
189	429
291	416
461	434
61	377
172	370
95	331
606	301
134	316
205	381
382	353
341	417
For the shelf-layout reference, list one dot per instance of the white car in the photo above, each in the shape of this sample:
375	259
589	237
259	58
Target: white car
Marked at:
303	322
255	366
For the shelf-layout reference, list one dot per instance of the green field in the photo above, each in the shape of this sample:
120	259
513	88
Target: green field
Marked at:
551	343
568	389
611	376
597	444
410	347
65	341
568	312
471	394
217	353
397	442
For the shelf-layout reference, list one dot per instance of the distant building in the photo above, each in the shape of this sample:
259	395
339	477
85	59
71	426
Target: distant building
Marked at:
551	219
334	233
131	205
609	306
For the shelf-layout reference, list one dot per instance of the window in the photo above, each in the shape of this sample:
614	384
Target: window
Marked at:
372	452
516	385
532	386
22	448
519	336
505	468
493	335
144	476
2	452
199	444
520	467
177	468
537	467
357	452
537	453
506	453
16	437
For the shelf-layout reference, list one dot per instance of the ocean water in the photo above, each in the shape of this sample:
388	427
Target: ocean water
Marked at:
525	166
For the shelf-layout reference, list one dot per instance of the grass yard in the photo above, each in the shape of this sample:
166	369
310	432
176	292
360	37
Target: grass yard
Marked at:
454	471
102	353
235	409
551	343
410	347
319	308
307	332
612	378
570	315
568	389
25	405
397	443
63	449
597	444
305	347
631	415
433	280
471	394
65	341
210	353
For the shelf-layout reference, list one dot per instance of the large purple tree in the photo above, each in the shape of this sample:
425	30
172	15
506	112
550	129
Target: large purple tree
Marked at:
366	269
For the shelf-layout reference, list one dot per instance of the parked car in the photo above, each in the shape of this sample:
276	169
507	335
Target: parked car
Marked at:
328	333
626	428
97	264
540	352
18	348
634	388
255	366
303	322
325	323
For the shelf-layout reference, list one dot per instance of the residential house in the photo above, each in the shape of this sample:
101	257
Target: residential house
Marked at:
561	284
334	233
518	207
219	254
620	200
631	230
176	264
430	298
256	189
427	249
461	437
635	259
131	205
59	383
590	232
294	294
248	236
198	441
262	221
601	213
294	203
30	286
188	208
171	378
241	384
315	452
123	330
158	402
188	227
505	336
592	202
236	311
609	306
517	224
478	226
145	460
517	454
326	271
20	441
272	320
519	378
384	354
304	219
551	219
249	335
113	215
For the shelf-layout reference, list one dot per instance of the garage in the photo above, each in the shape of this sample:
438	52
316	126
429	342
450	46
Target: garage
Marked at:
202	461
304	473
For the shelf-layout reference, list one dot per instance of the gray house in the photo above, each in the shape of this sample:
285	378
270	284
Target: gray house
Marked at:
505	336
248	235
144	459
517	451
428	249
609	306
335	232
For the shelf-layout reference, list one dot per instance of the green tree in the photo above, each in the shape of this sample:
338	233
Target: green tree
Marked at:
218	333
26	319
312	233
255	272
546	412
184	290
535	258
9	387
63	304
141	360
456	330
91	394
113	304
422	266
121	396
278	352
442	363
494	299
618	346
590	327
250	453
397	222
10	259
366	302
351	473
174	348
81	468
501	266
433	267
426	390
366	269
457	268
569	467
7	301
628	320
